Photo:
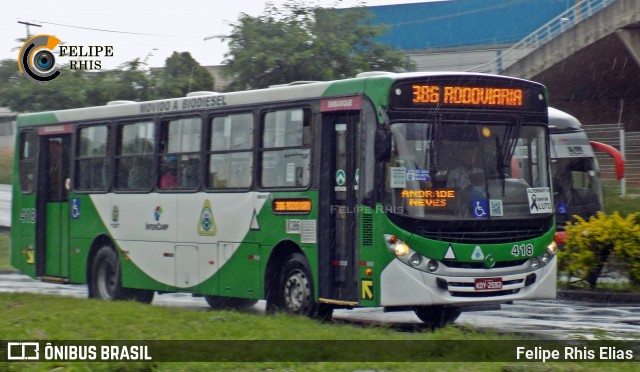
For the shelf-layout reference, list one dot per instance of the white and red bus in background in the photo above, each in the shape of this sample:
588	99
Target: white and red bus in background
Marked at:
575	173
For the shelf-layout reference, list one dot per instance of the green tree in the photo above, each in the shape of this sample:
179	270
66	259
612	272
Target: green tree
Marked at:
305	42
182	74
73	88
128	82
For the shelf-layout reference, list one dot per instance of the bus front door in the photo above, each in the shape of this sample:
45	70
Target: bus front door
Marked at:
338	210
52	207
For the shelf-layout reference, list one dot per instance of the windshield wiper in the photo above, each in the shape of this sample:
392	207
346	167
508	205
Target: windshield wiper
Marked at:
511	136
434	145
500	162
504	154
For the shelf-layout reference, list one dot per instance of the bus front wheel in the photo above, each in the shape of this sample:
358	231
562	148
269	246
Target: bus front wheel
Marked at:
437	316
295	288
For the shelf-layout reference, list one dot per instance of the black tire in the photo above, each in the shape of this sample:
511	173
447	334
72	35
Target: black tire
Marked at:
324	312
294	293
142	295
221	303
106	278
437	316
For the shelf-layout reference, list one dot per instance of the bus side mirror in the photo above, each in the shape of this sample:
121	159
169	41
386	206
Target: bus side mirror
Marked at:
383	145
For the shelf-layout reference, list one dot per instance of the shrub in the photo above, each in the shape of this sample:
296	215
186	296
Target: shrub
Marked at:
591	244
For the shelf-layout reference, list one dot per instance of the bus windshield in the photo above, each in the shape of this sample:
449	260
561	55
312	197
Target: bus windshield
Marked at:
462	170
576	187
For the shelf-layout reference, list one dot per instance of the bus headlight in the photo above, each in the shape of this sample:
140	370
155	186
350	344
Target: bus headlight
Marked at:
432	265
409	257
535	263
401	249
397	246
545	258
415	259
552	248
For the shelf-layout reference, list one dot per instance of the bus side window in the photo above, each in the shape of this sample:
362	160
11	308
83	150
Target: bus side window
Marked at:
27	158
136	142
92	159
179	153
140	173
230	155
286	153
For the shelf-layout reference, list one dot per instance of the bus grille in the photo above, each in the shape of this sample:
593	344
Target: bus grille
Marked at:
491	231
486	237
481	265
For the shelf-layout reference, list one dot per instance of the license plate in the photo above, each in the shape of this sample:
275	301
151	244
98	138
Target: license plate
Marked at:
488	284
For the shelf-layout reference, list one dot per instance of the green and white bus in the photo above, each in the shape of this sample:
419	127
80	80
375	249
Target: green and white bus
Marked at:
415	191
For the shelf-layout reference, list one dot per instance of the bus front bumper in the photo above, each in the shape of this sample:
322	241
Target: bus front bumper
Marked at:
402	285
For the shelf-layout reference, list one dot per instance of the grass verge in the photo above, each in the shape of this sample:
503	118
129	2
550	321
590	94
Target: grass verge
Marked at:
6	166
42	317
5	265
613	202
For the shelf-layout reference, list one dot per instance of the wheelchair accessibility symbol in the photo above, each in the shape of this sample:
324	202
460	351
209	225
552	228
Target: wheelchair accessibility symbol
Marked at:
480	208
75	208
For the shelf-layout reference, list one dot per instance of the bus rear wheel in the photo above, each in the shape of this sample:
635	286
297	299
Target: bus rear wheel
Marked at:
142	295
437	316
220	302
106	279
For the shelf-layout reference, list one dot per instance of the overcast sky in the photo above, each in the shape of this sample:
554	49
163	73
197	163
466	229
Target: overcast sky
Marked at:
144	29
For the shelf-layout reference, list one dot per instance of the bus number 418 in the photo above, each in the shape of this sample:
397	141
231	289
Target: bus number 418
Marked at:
522	250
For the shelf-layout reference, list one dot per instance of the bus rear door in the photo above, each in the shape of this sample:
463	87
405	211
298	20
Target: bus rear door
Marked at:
52	203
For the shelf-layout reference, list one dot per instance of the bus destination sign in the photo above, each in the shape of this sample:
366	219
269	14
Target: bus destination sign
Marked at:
485	96
478	93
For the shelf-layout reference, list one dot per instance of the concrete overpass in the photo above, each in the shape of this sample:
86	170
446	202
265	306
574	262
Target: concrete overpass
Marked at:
592	66
589	59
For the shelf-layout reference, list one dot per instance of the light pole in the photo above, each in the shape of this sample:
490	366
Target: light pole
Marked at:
29	24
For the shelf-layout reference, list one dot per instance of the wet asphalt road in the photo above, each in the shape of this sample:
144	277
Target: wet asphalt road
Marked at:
539	319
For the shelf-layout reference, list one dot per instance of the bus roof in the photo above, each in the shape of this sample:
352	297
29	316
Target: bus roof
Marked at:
560	121
207	100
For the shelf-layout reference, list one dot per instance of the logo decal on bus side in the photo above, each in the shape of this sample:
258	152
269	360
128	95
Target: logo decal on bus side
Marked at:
157	213
115	217
207	224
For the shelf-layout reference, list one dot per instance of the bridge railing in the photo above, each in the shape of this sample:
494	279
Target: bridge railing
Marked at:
629	145
547	32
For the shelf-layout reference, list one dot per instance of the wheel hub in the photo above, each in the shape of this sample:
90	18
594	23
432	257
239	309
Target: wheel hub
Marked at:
296	291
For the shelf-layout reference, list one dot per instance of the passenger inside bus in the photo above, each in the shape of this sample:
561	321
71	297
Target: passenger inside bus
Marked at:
465	173
169	169
140	173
